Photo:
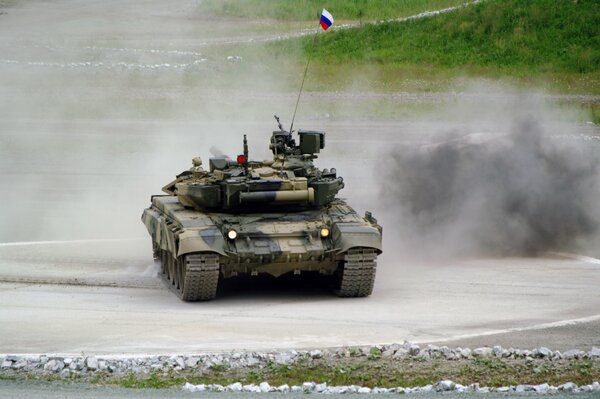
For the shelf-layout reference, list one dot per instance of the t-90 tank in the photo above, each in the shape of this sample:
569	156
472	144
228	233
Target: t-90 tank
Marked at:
275	217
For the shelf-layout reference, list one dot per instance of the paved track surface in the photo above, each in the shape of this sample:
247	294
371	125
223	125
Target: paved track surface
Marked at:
101	107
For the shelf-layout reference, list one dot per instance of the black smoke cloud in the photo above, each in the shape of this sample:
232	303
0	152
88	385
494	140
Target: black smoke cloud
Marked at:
523	192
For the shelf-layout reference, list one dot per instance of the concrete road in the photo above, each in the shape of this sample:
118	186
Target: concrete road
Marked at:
68	298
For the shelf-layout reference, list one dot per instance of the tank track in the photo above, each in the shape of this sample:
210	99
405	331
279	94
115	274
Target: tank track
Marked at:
193	277
356	274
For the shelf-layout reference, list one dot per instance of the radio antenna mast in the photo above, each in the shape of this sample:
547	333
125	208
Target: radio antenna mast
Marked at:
325	22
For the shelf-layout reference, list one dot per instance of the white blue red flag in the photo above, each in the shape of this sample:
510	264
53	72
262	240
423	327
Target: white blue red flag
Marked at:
326	19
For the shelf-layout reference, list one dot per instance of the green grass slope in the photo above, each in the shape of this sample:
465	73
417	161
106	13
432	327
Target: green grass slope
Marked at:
535	35
310	9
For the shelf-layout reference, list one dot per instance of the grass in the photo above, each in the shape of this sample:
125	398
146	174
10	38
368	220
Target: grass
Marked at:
380	373
311	9
521	36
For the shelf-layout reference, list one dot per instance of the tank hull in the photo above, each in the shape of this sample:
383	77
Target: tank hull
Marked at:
272	243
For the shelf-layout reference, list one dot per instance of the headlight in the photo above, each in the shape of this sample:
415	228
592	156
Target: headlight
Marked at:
232	234
324	232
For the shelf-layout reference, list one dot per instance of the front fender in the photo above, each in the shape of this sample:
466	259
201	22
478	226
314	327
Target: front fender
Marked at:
351	235
208	239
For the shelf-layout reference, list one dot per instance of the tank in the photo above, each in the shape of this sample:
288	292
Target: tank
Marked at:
273	217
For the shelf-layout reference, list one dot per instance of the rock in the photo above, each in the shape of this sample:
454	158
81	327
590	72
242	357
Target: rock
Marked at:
54	365
308	386
65	373
387	354
542	388
102	365
426	388
573	354
364	390
400	353
316	354
21	363
594	353
6	364
380	390
249	388
283	358
444	386
235	387
542	352
497	351
191	362
285	388
264	387
180	362
503	389
91	363
482	352
414	349
568	387
466	353
596	386
536	370
189	387
320	387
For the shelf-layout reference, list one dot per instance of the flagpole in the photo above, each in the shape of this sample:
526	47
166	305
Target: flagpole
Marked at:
304	77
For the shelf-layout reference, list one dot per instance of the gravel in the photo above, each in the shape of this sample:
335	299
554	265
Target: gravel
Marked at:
87	366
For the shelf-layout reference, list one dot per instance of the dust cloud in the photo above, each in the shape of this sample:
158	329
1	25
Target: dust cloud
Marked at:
507	178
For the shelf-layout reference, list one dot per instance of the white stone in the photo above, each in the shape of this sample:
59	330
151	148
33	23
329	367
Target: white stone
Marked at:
264	387
91	363
401	353
595	352
191	362
316	354
235	387
20	364
542	388
308	386
568	387
573	354
283	388
502	389
65	373
320	387
444	385
189	387
466	353
54	365
483	352
426	388
364	390
248	388
414	349
596	386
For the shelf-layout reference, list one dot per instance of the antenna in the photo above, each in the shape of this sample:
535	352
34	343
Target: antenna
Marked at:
303	79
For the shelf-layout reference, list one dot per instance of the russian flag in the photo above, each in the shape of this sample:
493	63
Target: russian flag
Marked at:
326	19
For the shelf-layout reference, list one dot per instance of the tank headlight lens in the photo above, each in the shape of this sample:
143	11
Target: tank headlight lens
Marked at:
232	234
324	232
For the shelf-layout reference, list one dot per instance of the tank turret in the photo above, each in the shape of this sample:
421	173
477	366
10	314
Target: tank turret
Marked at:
290	179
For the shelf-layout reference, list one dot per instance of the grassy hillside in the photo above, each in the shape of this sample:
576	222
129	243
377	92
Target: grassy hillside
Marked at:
310	9
537	35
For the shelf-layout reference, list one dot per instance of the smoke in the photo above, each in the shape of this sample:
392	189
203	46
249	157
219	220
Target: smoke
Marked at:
524	187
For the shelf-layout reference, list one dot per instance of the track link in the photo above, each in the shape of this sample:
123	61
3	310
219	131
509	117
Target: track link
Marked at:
356	274
193	277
